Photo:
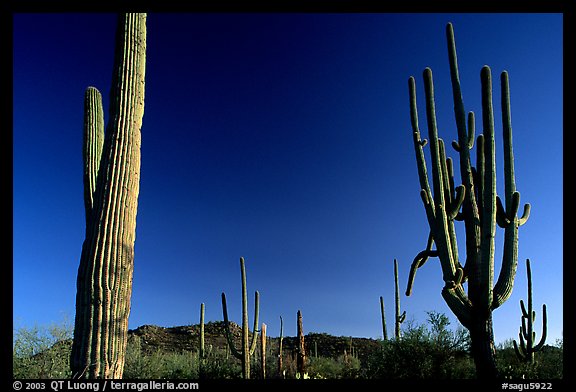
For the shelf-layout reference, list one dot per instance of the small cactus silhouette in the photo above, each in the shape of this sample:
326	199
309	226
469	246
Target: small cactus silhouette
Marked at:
527	335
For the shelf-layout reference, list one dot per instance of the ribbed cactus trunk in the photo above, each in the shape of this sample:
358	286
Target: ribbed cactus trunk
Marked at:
111	187
482	210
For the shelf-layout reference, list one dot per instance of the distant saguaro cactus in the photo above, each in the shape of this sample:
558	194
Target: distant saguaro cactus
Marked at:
482	209
280	373
383	315
248	347
201	348
263	352
111	187
399	318
527	335
301	357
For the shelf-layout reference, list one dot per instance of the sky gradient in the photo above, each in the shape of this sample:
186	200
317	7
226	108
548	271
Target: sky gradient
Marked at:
285	139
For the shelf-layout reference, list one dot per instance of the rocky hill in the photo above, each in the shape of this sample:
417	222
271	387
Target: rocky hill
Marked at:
186	338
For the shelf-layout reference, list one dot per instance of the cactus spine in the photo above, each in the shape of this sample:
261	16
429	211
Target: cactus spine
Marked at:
248	347
399	317
301	357
481	209
382	314
527	335
263	352
111	187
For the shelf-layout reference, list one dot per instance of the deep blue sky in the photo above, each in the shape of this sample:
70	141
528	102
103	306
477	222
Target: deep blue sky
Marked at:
286	139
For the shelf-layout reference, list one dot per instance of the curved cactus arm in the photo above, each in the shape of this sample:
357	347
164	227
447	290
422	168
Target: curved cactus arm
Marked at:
519	351
227	332
419	261
525	214
255	328
402	317
471	131
459	303
540	344
458	200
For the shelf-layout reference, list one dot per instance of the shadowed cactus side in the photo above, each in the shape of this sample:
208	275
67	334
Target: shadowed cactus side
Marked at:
475	202
527	335
248	347
111	186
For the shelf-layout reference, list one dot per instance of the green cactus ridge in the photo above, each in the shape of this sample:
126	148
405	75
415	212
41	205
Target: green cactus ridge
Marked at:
111	184
526	349
248	347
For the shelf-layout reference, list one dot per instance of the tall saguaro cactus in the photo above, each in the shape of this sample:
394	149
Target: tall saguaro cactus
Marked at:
248	347
527	335
399	318
111	187
475	202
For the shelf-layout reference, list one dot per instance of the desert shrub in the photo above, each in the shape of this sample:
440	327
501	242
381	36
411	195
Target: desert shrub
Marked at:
42	351
424	352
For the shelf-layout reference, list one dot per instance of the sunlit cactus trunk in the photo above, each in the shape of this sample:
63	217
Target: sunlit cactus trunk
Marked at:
476	203
111	187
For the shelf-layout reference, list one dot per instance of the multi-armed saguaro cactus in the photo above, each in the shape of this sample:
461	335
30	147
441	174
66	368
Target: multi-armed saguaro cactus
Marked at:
399	318
527	335
111	186
248	347
481	209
